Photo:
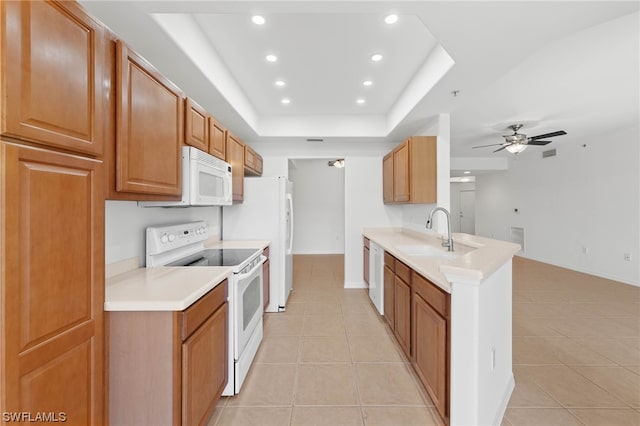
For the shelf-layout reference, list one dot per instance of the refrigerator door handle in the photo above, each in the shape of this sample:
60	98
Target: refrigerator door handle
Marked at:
290	243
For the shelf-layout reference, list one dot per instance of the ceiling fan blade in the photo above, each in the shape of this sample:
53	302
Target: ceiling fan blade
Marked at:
548	135
500	149
538	142
484	146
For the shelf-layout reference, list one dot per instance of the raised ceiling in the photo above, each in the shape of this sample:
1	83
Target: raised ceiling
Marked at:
568	65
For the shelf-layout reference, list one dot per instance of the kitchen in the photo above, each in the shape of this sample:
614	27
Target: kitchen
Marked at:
363	181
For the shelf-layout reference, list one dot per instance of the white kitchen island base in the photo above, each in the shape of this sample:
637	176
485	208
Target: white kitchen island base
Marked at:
481	351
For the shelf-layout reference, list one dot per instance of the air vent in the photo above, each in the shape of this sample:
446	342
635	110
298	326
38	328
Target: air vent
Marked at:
549	153
315	140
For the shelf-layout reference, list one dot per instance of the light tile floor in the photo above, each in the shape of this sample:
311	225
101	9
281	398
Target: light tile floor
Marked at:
330	359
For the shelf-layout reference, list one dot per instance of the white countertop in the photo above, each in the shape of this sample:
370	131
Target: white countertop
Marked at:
476	258
161	289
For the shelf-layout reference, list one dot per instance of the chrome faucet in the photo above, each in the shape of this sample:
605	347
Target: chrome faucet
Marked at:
449	242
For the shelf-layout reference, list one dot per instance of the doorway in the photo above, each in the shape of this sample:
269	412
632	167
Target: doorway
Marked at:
467	211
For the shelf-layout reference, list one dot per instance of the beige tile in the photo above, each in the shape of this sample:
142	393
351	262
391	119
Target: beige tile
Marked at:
323	325
359	325
617	380
536	310
395	416
607	417
527	394
258	416
215	415
570	388
278	349
294	308
623	351
634	368
326	416
282	325
373	349
325	384
323	308
387	384
316	349
540	417
538	327
593	327
266	385
571	352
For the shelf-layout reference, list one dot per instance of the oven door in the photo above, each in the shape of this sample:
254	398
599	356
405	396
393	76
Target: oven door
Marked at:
248	303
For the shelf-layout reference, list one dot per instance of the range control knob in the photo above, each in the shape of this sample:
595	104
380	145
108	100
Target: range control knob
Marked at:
203	230
172	237
164	239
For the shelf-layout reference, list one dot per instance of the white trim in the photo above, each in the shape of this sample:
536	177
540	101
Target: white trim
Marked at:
355	284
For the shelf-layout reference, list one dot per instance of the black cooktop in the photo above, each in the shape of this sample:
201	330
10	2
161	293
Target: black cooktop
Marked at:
216	257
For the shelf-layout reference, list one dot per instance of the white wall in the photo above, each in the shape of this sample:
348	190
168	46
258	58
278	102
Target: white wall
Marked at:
583	197
318	207
456	187
125	225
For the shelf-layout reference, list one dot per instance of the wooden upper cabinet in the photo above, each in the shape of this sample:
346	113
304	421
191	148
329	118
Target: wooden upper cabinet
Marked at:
149	128
196	126
235	157
53	76
252	162
410	172
217	139
52	284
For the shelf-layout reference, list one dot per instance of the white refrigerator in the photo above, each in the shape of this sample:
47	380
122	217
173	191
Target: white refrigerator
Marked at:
266	214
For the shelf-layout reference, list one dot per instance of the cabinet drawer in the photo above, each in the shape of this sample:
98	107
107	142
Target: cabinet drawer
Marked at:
197	313
403	271
390	261
437	298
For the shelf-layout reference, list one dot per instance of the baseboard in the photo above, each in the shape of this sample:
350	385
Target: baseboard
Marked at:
582	270
510	386
355	284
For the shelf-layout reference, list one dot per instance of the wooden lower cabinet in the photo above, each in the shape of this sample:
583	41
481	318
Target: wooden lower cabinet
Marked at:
51	284
365	260
431	340
389	295
168	367
402	323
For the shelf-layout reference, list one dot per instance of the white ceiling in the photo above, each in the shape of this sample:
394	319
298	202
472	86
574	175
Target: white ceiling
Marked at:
568	65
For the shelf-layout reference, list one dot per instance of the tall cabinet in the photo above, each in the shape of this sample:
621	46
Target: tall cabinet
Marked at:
52	215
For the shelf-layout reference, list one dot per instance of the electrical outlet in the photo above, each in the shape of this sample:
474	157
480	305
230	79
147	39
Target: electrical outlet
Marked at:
627	257
585	250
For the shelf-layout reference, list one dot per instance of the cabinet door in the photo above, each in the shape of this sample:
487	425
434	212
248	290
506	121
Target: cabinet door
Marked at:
217	139
403	314
389	296
196	126
150	128
387	179
365	258
54	94
401	173
235	156
51	283
266	267
430	352
204	368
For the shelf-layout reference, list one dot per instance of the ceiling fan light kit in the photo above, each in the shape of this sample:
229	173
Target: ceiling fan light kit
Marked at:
518	142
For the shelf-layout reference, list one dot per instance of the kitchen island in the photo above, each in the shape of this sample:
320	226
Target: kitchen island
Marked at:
457	309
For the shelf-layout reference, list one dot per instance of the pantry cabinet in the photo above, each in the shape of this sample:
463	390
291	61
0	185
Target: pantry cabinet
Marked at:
51	283
149	128
409	172
53	76
431	330
196	125
235	157
184	378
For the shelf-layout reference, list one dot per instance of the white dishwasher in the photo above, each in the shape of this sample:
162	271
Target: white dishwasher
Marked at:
376	276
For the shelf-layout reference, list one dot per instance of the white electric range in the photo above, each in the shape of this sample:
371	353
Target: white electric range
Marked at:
183	245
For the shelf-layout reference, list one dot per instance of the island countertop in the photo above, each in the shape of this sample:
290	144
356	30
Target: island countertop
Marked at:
474	257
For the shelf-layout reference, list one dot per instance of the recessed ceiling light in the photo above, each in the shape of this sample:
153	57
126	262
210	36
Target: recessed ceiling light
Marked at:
360	101
271	58
280	83
286	101
376	57
391	19
467	172
258	20
367	83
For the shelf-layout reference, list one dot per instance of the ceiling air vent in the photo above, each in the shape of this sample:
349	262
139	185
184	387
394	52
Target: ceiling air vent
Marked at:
315	140
549	153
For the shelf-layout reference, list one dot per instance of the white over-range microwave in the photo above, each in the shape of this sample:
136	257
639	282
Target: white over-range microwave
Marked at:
206	181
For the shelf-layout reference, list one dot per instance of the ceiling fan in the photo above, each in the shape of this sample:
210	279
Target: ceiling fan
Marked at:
517	142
